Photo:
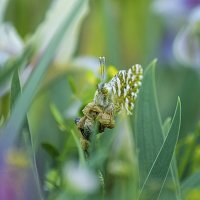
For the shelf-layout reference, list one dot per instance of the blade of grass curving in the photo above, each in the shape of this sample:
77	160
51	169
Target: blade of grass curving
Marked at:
15	92
51	150
20	62
58	117
62	125
148	128
155	180
30	146
15	89
173	175
149	131
12	128
80	150
166	126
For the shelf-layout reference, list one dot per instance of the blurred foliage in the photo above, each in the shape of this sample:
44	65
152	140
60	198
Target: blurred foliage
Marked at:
128	162
23	15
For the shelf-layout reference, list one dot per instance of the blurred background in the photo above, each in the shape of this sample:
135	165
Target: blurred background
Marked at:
125	32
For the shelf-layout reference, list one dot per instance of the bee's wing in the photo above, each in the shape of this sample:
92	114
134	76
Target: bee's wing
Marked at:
125	86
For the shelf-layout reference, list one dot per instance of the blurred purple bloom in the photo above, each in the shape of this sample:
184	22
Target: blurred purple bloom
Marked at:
174	9
192	3
17	181
175	14
187	43
11	184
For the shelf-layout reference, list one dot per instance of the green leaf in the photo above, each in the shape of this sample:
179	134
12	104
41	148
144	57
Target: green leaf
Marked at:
150	133
14	125
20	62
54	18
72	85
156	178
80	150
192	182
58	117
15	92
172	181
15	88
51	150
148	127
3	6
166	126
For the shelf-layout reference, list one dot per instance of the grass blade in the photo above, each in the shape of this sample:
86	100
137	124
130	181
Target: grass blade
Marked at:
13	127
15	89
80	150
172	182
148	128
192	182
150	133
15	92
156	178
12	65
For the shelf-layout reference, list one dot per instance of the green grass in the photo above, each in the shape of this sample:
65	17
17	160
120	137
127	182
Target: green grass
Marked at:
148	156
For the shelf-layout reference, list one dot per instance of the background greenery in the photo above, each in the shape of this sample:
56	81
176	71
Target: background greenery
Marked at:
39	141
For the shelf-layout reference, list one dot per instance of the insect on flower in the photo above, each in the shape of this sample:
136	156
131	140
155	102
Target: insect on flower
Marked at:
110	98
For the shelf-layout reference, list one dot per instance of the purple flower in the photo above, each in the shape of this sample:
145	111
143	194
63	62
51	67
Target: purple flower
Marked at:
187	43
190	4
11	184
16	177
175	14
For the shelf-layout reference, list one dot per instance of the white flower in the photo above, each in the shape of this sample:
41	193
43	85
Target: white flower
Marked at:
80	179
10	42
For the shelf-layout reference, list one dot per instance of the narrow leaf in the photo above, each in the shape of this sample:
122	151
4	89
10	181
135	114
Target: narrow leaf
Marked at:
156	178
172	182
15	92
166	126
15	88
58	117
80	150
20	62
51	150
150	133
192	182
12	128
148	128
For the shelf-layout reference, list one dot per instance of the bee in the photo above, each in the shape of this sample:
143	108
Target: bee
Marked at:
117	95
